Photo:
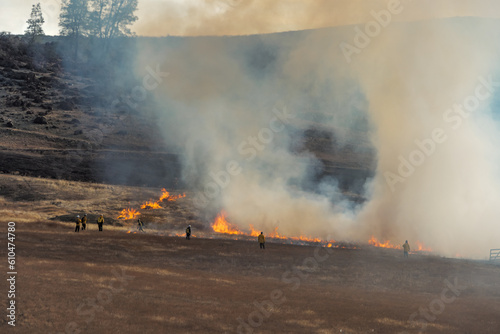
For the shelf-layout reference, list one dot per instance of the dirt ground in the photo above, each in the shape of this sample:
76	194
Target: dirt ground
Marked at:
118	282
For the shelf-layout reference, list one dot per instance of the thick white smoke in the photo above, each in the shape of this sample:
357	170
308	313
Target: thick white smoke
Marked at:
237	105
431	88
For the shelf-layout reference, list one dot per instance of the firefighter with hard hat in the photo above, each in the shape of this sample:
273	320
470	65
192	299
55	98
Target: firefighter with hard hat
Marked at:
84	222
78	222
188	232
100	222
262	240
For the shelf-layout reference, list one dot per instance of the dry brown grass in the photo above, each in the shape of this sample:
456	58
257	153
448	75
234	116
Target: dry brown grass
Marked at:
180	286
204	286
28	199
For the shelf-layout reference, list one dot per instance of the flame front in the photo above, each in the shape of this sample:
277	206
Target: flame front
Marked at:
387	244
150	205
221	225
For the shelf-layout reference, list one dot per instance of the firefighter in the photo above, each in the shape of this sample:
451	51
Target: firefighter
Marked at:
140	224
100	222
77	221
84	222
188	232
262	240
406	248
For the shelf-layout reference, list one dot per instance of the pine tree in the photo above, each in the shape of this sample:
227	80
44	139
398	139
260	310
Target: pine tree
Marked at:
35	23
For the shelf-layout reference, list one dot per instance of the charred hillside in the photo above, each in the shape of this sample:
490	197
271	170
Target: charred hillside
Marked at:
57	121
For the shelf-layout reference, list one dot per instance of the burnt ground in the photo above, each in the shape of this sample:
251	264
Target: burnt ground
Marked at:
57	121
114	282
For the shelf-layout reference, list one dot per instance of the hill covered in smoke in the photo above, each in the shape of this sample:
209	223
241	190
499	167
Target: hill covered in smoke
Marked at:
414	102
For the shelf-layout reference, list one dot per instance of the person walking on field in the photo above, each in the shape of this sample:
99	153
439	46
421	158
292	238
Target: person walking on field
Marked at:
140	224
100	222
406	248
84	222
262	240
78	222
188	232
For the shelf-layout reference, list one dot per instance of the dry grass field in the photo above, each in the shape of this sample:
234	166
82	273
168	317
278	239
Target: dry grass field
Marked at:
119	282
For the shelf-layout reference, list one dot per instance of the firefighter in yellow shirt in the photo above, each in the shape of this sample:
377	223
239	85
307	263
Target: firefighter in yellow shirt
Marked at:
84	222
406	248
78	222
262	240
100	222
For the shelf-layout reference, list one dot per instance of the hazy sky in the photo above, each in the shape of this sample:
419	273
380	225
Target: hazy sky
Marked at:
235	17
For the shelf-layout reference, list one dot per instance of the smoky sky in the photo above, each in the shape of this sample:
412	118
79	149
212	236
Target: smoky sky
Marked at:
244	17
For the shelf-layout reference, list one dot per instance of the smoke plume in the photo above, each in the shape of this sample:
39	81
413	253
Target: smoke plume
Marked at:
421	95
245	17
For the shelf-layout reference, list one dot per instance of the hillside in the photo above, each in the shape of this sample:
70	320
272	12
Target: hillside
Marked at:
65	122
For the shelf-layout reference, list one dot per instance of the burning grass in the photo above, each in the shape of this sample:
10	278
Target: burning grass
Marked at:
222	226
128	214
131	213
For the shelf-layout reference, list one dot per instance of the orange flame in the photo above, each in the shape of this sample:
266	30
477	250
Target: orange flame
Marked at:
176	197
151	205
128	214
275	234
221	225
165	194
253	231
422	248
307	239
387	244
